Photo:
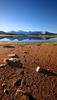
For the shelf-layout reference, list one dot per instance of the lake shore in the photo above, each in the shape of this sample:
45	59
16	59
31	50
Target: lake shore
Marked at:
31	55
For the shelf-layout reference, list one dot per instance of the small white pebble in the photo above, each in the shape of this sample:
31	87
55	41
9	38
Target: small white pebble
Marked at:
37	69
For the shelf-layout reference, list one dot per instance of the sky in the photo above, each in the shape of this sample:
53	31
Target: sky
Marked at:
28	15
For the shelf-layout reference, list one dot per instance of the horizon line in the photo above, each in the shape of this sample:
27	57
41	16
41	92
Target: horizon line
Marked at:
28	31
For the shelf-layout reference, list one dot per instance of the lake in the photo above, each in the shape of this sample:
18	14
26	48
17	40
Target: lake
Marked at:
26	40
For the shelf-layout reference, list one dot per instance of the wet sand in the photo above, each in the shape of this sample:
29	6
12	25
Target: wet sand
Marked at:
39	85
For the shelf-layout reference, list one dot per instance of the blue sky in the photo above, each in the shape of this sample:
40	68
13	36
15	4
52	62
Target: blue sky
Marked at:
28	15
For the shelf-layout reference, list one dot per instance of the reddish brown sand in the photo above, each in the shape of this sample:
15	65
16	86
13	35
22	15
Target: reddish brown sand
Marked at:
40	86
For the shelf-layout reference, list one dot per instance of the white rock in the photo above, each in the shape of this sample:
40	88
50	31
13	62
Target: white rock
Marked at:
38	68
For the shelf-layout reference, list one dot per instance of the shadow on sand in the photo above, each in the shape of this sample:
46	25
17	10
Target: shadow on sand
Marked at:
8	46
30	96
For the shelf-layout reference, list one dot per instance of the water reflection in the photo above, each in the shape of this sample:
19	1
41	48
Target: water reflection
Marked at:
26	40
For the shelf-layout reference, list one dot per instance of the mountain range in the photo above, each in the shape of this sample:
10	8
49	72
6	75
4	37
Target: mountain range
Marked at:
28	33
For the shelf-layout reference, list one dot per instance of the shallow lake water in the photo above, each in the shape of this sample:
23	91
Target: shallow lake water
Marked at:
26	40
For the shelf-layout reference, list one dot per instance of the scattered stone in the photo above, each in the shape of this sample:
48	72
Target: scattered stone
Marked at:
42	70
4	85
17	82
23	72
2	65
6	91
19	92
13	56
45	71
38	68
12	61
23	95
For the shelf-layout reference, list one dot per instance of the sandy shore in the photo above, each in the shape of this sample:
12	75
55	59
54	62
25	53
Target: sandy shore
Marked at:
40	86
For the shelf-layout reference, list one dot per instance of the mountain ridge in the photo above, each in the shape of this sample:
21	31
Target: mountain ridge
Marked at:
28	32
